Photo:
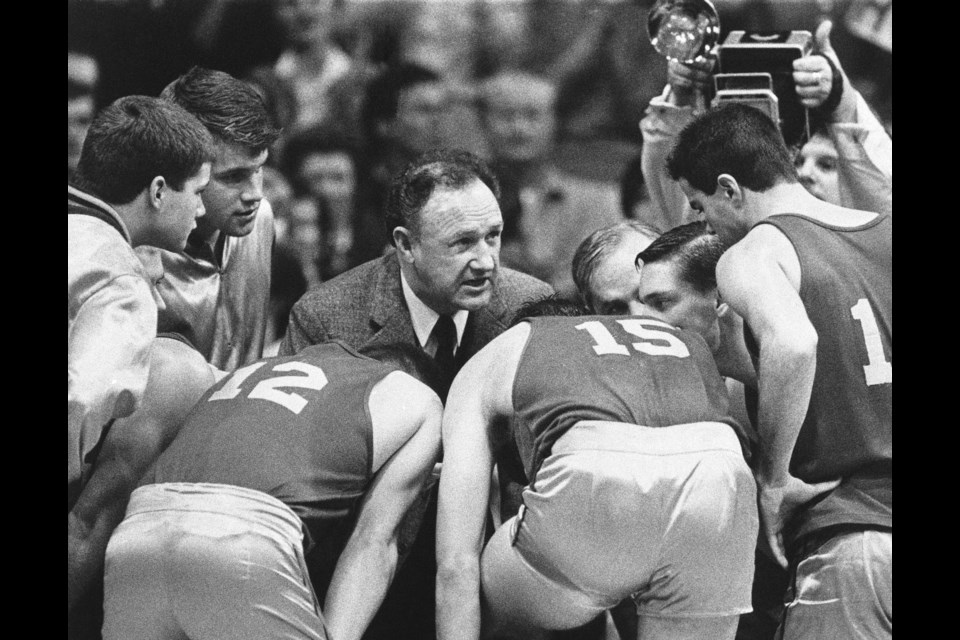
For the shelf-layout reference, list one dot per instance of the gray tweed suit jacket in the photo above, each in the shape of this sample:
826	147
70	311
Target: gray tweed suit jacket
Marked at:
364	308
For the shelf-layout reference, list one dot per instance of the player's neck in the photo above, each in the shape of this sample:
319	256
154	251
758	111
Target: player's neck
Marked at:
794	198
785	197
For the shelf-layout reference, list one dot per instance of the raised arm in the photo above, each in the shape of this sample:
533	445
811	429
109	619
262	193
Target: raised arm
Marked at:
479	400
666	115
406	418
864	149
760	278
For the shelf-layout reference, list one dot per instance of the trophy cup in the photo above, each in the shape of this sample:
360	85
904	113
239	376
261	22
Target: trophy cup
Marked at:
685	31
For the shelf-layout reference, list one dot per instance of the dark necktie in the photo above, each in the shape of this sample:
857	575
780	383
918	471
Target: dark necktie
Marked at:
445	333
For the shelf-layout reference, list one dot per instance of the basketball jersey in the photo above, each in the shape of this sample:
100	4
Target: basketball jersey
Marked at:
624	369
846	288
295	427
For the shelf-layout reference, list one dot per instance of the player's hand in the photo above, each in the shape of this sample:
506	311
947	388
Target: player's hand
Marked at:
686	80
779	502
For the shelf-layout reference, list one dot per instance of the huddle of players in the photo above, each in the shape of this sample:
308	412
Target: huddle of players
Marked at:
637	478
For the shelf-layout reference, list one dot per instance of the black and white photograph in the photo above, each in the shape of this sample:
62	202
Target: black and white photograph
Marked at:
479	319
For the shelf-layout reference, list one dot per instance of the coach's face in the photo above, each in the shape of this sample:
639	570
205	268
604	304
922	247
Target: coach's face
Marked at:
450	257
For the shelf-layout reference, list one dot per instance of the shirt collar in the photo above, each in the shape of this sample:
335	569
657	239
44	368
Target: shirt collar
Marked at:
423	317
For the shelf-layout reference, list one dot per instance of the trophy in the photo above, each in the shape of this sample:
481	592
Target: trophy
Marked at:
685	31
752	68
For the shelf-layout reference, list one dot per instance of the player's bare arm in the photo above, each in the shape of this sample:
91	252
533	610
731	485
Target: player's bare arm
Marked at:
760	278
406	418
733	359
479	399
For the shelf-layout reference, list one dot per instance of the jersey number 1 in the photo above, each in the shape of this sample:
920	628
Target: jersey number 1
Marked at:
268	389
877	369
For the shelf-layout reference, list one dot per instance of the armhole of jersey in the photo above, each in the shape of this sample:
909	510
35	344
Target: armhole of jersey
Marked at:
520	359
366	411
796	250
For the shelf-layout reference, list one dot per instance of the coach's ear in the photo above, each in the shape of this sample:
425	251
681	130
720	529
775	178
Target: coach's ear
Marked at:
402	240
727	185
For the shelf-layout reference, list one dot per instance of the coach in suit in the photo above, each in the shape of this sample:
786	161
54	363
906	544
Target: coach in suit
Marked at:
444	220
442	290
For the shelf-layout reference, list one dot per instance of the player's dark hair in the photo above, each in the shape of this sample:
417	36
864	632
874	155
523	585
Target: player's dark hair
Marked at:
135	139
736	139
596	247
695	250
230	108
413	186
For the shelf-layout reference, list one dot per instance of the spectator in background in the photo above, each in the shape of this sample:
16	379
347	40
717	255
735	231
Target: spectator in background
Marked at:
303	81
322	167
547	210
216	291
596	52
863	149
403	116
83	73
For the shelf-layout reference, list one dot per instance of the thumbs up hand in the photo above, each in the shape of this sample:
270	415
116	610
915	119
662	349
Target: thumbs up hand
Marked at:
813	75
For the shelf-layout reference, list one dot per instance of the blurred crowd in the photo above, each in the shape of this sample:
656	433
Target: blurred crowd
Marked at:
549	91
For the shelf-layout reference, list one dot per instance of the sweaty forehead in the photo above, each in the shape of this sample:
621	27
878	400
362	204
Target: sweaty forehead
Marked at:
423	93
233	156
454	209
615	279
818	146
510	91
660	278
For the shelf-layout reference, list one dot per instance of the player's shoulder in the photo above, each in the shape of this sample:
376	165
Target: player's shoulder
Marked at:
763	243
403	390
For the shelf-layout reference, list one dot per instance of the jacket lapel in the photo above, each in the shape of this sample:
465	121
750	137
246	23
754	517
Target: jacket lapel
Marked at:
389	317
